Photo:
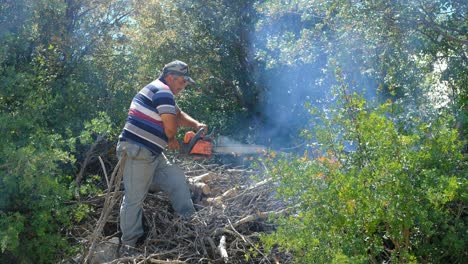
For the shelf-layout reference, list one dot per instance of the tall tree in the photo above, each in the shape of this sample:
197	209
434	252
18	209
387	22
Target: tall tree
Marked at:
50	85
414	51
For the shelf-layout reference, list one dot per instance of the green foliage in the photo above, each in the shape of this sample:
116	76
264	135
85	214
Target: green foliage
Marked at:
101	126
399	195
33	195
11	226
49	88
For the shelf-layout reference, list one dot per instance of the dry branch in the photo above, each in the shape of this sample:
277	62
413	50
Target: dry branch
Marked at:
206	177
105	172
85	162
172	239
222	249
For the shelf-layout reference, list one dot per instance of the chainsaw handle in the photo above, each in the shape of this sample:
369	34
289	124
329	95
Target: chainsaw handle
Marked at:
194	140
210	135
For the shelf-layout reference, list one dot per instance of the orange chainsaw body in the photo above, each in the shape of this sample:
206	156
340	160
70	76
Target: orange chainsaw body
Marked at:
201	147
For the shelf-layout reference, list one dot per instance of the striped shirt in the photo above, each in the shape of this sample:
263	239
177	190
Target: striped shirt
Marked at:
144	125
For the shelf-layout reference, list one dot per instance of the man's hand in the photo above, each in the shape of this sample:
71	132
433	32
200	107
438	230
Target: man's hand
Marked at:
200	126
173	144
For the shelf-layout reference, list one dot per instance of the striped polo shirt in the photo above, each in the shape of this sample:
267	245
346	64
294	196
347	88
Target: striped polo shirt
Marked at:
144	125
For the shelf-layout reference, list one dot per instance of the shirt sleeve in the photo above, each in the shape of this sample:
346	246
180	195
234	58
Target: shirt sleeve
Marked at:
164	102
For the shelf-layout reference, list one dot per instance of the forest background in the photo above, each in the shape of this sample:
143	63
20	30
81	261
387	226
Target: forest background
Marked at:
368	97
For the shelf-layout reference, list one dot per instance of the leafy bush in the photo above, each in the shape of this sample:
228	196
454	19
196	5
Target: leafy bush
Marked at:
389	195
32	203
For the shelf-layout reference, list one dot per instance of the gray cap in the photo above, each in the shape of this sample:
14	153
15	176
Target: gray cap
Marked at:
179	68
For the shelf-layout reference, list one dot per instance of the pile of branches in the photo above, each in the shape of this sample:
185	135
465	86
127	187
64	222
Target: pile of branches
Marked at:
233	206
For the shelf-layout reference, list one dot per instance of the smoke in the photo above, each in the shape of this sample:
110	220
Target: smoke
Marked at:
295	71
292	76
283	110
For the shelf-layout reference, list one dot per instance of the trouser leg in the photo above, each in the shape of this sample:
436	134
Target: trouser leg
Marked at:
171	179
138	173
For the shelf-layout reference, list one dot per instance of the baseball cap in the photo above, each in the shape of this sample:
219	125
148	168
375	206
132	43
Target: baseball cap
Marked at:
179	68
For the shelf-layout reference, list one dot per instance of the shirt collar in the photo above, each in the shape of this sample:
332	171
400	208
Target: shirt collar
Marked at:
162	80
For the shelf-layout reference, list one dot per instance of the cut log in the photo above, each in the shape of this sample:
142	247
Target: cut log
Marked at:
227	194
202	187
199	190
203	178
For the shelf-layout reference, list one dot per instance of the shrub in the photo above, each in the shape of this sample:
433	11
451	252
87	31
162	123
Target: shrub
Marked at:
33	191
389	195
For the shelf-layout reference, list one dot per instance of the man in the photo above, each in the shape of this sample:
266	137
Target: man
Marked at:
151	126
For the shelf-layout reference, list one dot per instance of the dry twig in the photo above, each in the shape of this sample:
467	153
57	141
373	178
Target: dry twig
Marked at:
111	199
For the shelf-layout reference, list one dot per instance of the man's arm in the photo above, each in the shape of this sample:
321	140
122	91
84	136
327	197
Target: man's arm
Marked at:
170	129
183	119
172	122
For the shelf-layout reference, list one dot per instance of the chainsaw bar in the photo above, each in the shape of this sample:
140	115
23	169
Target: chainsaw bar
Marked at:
197	144
239	149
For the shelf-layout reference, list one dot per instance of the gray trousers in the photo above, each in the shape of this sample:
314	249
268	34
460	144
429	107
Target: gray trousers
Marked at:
144	170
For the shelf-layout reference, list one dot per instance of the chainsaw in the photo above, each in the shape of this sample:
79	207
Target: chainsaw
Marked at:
198	144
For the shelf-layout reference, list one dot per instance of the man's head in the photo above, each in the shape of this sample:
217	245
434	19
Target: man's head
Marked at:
176	75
